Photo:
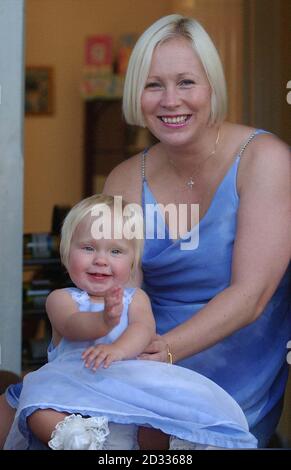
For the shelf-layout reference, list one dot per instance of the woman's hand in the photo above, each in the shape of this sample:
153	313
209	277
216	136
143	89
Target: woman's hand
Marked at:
157	350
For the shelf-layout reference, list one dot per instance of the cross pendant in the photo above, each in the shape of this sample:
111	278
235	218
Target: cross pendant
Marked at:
190	183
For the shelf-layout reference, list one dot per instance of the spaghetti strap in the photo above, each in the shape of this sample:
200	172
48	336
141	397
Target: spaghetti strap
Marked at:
143	156
249	139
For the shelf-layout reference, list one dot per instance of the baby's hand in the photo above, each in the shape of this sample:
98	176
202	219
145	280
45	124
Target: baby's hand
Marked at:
113	306
103	354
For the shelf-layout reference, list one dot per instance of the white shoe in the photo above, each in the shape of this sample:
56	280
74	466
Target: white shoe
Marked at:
122	437
78	433
180	444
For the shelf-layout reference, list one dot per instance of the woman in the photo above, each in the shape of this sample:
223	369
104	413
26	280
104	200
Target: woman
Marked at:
221	303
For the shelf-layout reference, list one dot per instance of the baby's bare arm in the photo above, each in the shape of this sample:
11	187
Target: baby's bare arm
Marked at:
68	322
139	333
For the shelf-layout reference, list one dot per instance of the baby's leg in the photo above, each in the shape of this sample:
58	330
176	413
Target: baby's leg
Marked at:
7	414
121	437
43	422
77	432
152	439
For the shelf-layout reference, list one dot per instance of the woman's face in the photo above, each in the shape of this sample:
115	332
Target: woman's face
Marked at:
176	100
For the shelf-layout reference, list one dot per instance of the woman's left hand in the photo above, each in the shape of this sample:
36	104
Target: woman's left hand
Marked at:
157	350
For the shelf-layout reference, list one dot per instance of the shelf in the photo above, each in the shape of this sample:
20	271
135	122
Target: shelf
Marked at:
41	261
34	311
40	276
28	363
108	140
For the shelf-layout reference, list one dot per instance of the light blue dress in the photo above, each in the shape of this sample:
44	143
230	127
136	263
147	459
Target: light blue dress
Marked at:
251	363
174	399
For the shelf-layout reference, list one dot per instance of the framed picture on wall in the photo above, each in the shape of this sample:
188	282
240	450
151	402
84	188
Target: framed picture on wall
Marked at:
38	90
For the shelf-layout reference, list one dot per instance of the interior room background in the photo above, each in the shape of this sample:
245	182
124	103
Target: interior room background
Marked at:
252	36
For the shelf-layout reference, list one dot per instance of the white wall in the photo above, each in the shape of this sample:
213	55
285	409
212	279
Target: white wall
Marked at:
55	36
11	175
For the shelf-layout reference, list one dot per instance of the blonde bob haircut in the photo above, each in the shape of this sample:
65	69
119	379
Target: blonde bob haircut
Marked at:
125	216
166	28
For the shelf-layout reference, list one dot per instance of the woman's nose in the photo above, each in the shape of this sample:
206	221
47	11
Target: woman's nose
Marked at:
170	98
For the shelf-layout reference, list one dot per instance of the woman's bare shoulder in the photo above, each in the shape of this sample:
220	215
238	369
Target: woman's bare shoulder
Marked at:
268	149
125	180
267	157
265	146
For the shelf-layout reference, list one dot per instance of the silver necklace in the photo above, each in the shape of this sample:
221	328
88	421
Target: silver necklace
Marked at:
191	181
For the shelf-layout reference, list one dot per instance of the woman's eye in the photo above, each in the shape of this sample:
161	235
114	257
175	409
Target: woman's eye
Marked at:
152	85
186	82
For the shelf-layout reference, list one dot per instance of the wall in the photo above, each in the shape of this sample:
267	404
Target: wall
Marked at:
11	176
223	20
285	39
55	35
268	65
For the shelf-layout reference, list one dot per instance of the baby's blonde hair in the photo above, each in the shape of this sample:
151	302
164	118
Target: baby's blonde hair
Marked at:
131	215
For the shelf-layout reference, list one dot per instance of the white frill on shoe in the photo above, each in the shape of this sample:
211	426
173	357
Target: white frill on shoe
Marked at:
78	433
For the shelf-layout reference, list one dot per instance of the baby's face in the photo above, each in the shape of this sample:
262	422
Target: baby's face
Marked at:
97	261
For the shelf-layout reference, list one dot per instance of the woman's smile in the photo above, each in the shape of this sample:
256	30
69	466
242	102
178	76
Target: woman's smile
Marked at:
175	121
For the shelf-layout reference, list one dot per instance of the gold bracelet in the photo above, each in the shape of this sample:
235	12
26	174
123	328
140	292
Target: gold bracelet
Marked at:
170	355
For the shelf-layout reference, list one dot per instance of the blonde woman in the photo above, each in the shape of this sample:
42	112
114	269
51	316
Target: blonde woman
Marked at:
219	288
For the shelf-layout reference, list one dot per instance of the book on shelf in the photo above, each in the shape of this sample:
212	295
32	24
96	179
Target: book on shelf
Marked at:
98	53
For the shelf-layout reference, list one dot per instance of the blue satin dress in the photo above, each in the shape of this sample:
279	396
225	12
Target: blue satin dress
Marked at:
164	396
251	363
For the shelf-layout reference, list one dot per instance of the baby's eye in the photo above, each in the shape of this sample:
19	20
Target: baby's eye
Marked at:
116	251
88	248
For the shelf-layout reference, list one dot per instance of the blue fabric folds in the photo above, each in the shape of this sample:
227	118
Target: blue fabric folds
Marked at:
171	398
168	397
251	363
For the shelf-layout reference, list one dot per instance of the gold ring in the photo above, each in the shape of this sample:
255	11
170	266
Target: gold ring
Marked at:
170	355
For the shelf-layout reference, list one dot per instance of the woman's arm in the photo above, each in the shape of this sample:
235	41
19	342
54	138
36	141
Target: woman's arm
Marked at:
125	180
260	257
68	322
